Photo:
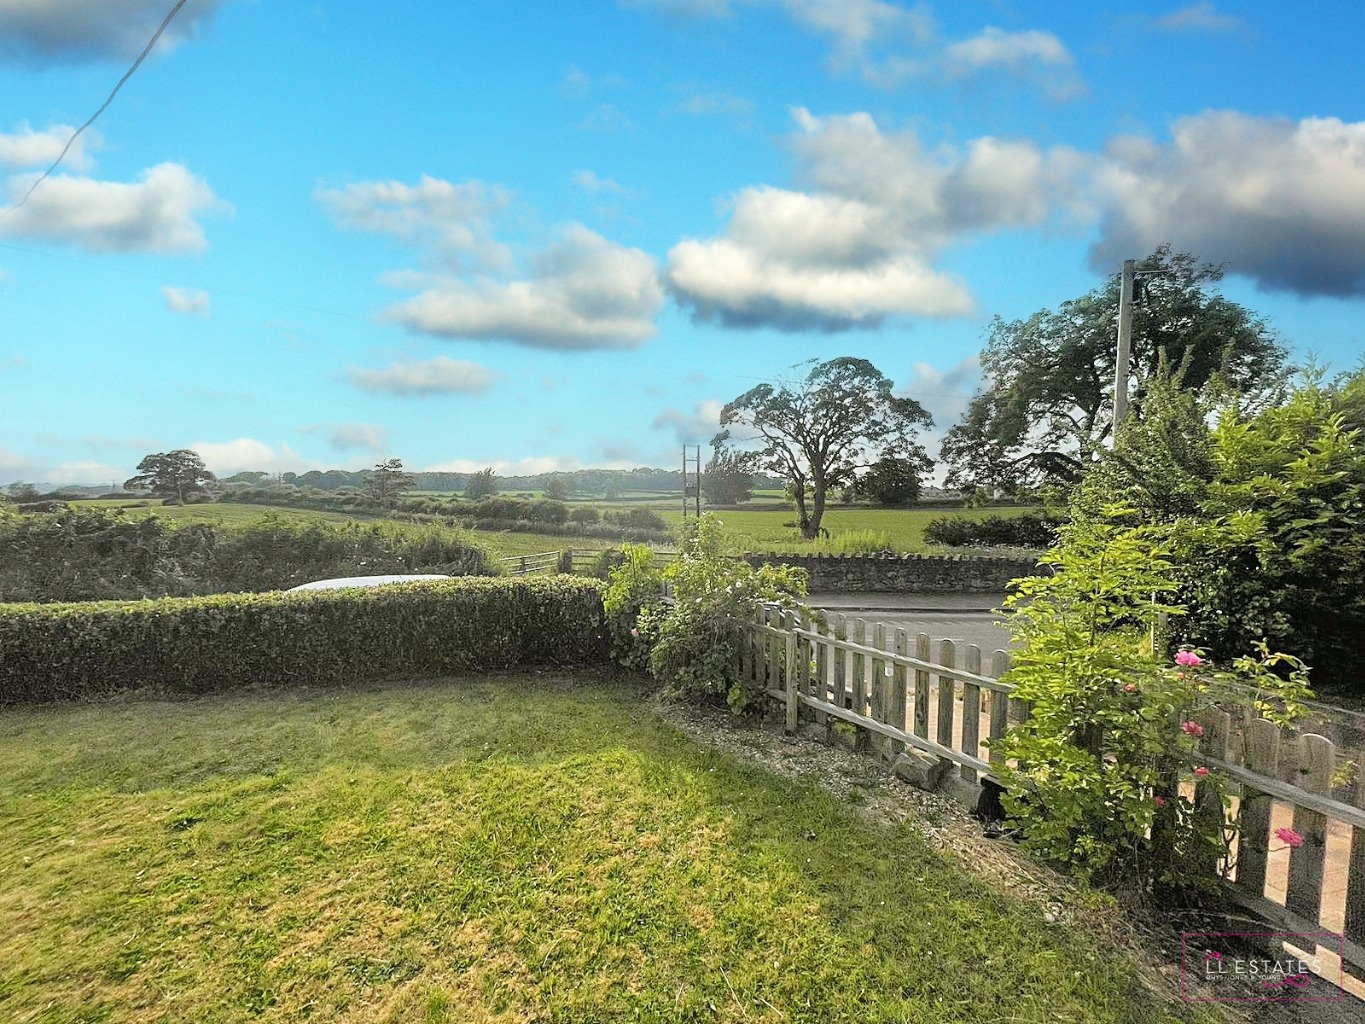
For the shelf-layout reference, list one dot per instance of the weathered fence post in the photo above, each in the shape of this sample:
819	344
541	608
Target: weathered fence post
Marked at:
947	657
1304	894
792	686
971	712
1253	834
858	683
1208	803
1000	664
1354	929
922	686
897	706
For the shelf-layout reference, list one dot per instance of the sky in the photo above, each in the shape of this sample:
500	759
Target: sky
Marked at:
546	236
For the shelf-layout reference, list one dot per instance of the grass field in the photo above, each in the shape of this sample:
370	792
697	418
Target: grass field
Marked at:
512	849
763	530
749	529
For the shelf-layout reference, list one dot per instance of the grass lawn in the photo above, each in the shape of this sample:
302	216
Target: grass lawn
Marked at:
763	530
518	848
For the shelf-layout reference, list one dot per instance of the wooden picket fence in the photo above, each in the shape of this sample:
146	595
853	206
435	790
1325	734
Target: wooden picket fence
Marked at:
898	690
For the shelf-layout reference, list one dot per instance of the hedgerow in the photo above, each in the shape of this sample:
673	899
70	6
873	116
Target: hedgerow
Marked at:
205	644
93	555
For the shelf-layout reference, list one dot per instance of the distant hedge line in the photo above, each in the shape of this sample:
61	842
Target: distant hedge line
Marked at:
206	644
1030	530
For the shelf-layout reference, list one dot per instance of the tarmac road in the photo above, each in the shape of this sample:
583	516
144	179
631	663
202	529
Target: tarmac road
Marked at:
962	618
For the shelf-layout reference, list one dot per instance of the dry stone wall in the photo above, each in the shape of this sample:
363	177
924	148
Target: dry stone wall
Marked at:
891	574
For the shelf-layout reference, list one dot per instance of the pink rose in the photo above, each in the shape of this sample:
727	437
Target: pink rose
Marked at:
634	632
1192	729
1289	836
1130	687
1188	658
1200	772
1160	801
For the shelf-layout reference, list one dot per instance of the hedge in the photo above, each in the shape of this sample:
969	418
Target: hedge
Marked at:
205	644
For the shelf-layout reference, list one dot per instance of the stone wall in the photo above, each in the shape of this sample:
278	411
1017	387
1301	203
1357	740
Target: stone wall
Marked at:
890	574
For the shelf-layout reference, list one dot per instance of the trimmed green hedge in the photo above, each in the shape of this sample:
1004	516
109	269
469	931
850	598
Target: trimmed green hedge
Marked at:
204	644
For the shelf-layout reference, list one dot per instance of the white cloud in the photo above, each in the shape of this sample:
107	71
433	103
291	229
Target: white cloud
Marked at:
156	214
606	118
1029	56
85	473
1282	202
439	376
345	437
716	104
1200	17
888	44
52	31
12	463
189	301
685	8
584	292
859	246
522	467
591	183
452	219
246	453
696	427
29	149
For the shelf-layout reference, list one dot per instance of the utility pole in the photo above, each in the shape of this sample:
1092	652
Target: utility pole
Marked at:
691	490
1125	347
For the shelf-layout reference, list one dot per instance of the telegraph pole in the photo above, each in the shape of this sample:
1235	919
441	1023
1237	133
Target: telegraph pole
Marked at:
692	490
1125	347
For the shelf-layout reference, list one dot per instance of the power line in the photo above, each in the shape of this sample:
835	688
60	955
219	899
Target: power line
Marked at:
103	107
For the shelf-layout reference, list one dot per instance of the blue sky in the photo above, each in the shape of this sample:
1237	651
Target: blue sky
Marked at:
554	235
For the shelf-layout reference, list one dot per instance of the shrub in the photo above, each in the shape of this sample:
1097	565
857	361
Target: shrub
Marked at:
585	515
544	510
694	640
1093	774
1030	530
206	644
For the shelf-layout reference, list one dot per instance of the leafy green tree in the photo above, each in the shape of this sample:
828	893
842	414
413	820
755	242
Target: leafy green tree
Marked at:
483	484
1047	408
891	481
818	434
176	474
387	482
728	478
557	487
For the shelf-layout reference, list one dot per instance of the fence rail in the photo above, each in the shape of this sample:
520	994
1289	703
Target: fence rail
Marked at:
899	691
524	565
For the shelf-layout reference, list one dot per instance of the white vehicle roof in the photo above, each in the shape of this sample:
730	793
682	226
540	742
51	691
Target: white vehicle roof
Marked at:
366	581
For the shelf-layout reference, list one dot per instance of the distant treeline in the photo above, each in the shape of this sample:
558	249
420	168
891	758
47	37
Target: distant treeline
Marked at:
580	481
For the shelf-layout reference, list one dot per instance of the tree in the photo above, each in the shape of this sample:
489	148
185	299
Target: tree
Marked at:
841	418
728	478
482	484
1047	408
890	482
557	487
388	481
170	475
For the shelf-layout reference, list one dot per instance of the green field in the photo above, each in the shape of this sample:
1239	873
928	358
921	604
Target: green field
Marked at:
507	849
764	530
749	529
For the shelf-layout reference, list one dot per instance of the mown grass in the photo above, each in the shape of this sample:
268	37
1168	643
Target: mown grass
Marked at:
519	848
764	530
